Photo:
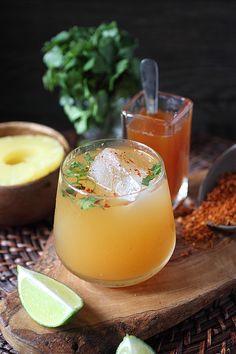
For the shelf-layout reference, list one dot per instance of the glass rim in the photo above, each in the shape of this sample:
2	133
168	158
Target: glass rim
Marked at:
187	106
156	181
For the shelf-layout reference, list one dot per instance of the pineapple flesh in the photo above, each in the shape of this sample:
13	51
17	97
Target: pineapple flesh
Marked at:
25	158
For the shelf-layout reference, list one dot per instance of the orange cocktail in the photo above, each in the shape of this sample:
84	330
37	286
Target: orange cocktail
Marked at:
167	132
114	223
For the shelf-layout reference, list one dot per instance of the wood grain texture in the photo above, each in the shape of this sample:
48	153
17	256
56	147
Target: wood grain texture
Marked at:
183	287
194	44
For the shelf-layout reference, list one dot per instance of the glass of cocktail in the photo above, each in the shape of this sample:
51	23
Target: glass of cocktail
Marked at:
114	222
167	132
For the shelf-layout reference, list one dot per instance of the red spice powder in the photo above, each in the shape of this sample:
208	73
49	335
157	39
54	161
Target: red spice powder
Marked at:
219	208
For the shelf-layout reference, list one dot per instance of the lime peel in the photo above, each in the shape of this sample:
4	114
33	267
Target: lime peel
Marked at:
47	301
133	345
25	273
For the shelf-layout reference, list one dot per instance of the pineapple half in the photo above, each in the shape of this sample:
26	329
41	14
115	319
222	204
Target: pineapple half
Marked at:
25	158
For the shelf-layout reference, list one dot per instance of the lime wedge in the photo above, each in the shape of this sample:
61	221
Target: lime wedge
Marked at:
47	301
133	345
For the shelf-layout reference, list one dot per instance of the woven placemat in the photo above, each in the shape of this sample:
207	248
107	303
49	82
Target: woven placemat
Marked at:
210	331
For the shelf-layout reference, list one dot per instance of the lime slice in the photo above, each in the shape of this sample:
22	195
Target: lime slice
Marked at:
47	301
133	345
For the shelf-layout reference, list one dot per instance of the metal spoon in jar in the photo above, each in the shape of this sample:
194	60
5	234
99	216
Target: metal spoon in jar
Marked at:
225	163
150	83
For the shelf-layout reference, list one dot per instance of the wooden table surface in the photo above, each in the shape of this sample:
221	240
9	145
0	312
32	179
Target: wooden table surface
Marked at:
212	330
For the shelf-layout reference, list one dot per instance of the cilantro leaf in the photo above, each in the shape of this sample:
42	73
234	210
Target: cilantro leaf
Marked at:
53	58
156	168
68	192
146	180
155	171
88	157
78	171
91	68
88	202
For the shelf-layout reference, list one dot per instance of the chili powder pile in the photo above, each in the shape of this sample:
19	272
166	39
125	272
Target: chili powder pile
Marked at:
219	208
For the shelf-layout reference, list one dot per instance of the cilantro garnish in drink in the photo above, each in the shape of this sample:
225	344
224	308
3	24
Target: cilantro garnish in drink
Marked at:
88	157
69	192
77	173
153	173
107	173
89	202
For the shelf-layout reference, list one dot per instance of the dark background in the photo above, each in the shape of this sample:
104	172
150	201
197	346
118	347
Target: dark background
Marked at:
194	43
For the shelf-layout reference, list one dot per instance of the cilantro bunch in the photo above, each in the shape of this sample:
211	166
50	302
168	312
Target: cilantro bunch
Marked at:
94	69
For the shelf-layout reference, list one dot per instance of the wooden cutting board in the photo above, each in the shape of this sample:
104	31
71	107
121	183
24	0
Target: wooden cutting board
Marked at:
182	288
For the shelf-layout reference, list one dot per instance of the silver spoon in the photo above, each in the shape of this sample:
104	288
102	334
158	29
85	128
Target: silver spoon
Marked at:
150	83
224	163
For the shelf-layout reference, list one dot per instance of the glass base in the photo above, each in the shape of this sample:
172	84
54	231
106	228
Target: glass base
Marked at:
122	283
182	194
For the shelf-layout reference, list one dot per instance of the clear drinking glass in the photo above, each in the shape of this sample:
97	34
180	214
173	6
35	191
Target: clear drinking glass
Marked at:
167	132
119	240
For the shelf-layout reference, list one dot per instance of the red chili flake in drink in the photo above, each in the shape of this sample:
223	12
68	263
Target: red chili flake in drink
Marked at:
137	172
88	190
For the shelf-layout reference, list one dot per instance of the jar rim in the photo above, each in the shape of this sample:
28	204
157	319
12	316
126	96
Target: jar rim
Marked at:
185	108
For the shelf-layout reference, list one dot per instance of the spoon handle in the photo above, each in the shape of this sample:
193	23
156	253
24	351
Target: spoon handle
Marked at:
150	83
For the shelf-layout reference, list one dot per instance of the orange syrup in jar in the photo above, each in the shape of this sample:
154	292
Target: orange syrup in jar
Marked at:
169	138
